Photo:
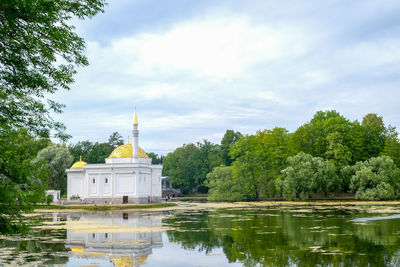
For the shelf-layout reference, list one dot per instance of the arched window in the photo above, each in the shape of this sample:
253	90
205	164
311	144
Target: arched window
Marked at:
106	180
94	180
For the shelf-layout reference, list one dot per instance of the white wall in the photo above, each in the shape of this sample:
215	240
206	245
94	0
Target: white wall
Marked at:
75	184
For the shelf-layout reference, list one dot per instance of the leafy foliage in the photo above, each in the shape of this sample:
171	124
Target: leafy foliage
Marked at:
115	140
95	152
39	51
189	165
155	158
376	179
223	187
57	158
229	139
259	160
305	175
316	158
22	181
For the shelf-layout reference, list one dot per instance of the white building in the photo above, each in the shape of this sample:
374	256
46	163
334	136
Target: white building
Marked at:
54	193
127	176
127	239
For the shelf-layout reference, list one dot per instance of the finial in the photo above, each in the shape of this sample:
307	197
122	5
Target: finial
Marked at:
128	139
80	158
135	120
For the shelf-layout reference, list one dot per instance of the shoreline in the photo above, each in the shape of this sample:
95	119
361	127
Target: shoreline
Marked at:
184	205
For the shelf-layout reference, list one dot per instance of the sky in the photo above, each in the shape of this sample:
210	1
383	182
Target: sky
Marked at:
195	68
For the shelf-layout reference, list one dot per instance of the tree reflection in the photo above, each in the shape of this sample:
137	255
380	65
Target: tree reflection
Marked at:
287	237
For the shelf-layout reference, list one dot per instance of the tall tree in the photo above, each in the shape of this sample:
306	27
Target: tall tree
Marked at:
115	140
155	159
22	181
189	165
90	152
39	51
38	54
229	139
374	135
181	167
57	158
259	160
246	168
392	145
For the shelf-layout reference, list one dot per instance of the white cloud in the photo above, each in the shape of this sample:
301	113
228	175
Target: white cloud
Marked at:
200	76
211	47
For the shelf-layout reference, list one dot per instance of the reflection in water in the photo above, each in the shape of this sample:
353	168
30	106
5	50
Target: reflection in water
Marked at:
253	236
290	236
127	239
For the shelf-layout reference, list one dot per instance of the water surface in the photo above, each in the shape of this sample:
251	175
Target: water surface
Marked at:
288	235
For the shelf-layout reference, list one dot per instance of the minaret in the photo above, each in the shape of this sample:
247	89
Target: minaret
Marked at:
135	136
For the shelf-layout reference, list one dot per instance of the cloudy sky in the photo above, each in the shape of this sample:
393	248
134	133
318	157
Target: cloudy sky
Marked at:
196	68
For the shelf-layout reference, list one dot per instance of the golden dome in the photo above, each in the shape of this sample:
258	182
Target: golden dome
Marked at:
79	164
126	261
126	151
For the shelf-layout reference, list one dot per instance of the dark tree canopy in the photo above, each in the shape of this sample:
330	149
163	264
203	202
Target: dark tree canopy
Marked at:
229	139
38	54
115	140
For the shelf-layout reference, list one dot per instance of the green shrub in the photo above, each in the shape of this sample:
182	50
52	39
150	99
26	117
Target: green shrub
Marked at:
376	179
222	186
49	199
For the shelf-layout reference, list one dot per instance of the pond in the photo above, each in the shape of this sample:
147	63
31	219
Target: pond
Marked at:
272	235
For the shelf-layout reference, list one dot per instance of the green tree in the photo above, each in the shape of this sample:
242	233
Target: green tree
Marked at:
189	165
155	159
246	168
206	157
312	137
306	174
229	139
376	179
57	158
222	186
181	167
392	145
337	151
90	152
374	135
22	181
259	160
39	51
98	153
115	140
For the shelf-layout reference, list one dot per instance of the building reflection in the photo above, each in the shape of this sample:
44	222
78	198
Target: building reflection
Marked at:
126	238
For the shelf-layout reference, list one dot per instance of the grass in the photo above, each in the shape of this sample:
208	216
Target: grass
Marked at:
105	208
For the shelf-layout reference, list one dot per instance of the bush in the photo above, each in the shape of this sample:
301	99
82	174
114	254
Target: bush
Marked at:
75	197
49	199
376	179
222	186
305	175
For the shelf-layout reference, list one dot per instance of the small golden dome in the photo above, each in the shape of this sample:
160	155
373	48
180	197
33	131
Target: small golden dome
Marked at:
126	261
79	164
126	151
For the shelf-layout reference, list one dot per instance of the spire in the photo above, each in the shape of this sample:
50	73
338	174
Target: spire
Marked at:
80	158
135	120
128	140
